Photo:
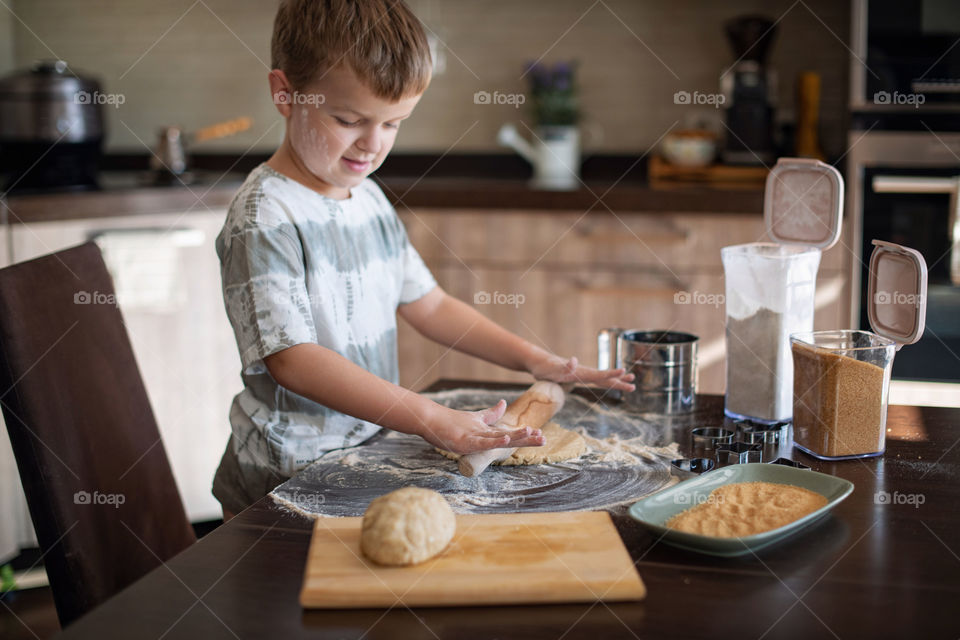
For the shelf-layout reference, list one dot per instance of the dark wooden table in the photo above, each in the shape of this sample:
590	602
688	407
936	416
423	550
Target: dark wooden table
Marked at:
874	568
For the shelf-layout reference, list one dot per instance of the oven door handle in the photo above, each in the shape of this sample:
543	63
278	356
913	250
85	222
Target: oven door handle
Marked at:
951	186
914	184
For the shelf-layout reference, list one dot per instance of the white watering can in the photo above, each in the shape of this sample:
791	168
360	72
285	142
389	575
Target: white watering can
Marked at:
554	154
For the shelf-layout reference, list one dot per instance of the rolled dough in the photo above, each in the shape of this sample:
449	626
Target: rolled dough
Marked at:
406	526
562	444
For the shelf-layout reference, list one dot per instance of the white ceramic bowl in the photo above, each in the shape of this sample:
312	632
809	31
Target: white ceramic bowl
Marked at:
691	151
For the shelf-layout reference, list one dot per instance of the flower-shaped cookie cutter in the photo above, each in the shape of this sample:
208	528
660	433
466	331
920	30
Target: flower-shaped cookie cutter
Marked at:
770	436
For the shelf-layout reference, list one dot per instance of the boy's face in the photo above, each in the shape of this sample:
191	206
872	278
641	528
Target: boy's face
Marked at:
338	131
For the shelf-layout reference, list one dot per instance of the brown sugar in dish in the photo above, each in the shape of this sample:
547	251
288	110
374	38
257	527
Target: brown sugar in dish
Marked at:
747	508
838	407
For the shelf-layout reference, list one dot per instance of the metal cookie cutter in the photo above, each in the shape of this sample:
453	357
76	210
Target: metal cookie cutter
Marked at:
687	467
738	453
771	437
787	462
709	438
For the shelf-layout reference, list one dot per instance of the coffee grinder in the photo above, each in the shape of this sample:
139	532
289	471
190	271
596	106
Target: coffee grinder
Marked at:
750	90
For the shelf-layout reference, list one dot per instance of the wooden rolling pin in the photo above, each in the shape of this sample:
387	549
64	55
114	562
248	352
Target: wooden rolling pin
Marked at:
533	409
222	129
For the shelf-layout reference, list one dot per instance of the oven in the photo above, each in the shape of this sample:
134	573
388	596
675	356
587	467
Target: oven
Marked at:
906	55
902	187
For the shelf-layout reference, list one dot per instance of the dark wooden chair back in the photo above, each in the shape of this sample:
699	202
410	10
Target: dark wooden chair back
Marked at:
98	483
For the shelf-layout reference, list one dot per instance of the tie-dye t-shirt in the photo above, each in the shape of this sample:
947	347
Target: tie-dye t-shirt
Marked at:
298	267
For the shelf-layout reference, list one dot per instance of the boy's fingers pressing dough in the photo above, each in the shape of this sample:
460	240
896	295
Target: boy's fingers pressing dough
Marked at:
529	441
498	439
490	442
494	413
556	444
526	437
522	437
465	432
535	406
506	440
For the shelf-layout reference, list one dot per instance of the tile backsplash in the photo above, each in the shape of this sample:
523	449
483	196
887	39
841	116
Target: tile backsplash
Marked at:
195	62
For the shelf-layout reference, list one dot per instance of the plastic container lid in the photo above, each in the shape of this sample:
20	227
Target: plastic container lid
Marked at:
803	203
897	292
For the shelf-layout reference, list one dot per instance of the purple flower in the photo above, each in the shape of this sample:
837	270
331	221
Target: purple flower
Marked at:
553	90
562	76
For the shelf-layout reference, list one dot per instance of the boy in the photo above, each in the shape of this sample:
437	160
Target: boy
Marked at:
316	264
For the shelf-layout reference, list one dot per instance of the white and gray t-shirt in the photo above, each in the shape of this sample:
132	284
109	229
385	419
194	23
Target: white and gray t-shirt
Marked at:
299	267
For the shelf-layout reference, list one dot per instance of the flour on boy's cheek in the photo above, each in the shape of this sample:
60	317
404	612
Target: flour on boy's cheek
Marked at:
319	148
311	145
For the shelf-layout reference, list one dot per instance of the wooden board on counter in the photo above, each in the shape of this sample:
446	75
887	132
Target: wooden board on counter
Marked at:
665	175
496	559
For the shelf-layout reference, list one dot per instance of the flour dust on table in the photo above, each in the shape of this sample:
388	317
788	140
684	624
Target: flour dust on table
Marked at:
627	457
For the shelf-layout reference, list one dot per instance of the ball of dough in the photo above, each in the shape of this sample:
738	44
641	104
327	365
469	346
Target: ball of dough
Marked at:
406	526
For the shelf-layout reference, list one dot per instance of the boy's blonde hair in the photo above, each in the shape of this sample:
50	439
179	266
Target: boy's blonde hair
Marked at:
380	40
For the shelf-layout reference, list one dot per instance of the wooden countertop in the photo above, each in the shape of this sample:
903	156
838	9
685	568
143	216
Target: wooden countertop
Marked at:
597	196
872	568
123	200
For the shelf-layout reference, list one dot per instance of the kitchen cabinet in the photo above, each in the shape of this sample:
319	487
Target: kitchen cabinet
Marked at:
556	278
167	277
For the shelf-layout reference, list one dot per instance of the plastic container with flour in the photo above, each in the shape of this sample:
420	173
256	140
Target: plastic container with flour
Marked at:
770	286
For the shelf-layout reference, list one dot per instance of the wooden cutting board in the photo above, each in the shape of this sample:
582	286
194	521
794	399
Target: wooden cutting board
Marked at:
493	559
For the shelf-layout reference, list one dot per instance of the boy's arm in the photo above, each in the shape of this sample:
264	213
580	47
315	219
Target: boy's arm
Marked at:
324	376
455	324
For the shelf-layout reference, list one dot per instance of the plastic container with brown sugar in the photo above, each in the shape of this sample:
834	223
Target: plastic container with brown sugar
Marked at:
841	379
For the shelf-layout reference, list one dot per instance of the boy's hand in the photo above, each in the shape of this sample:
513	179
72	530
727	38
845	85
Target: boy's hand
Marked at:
557	369
472	431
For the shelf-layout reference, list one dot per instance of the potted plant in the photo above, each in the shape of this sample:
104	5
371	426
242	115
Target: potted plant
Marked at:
553	94
555	151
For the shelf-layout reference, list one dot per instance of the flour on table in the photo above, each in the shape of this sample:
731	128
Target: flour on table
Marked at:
627	458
